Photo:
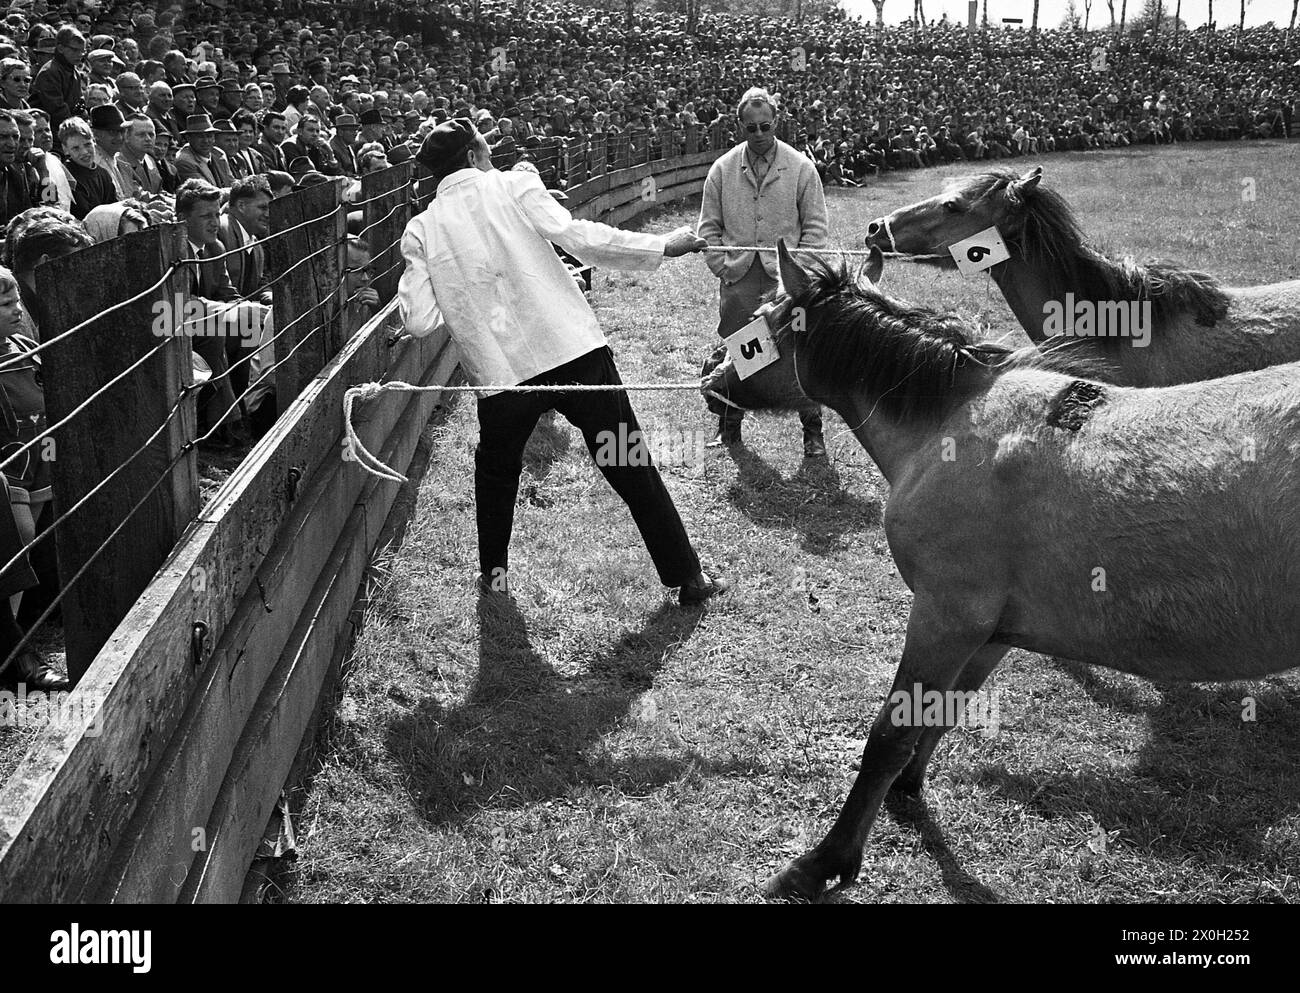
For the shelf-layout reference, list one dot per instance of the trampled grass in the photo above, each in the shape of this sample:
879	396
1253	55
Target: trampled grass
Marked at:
591	742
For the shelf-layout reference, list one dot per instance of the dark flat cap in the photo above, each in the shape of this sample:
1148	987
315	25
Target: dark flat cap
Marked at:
445	143
399	153
371	116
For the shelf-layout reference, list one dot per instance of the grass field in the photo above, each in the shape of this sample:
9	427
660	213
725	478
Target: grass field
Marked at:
591	742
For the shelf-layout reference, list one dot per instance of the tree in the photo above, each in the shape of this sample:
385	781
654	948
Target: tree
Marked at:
1241	25
1087	12
1209	20
1070	22
1033	27
1294	4
1178	16
1123	14
880	12
1111	5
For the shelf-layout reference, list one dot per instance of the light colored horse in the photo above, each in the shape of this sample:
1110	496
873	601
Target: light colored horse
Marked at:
1201	330
1151	531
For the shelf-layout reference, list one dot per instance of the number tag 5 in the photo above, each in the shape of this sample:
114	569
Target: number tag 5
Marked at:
752	347
979	252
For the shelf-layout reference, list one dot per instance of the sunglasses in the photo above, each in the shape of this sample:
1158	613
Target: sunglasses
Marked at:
765	127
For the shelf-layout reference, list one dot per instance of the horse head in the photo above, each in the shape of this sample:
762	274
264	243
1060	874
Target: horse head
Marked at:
966	207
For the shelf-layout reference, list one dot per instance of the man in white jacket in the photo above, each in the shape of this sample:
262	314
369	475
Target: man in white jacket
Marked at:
481	259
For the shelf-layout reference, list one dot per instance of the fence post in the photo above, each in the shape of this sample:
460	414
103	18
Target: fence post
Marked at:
117	423
692	139
386	214
310	332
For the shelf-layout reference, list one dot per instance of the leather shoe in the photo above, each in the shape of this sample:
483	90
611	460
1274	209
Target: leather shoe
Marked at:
30	669
701	588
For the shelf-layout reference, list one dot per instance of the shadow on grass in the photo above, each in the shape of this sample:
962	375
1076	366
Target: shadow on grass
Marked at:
1207	786
525	732
813	501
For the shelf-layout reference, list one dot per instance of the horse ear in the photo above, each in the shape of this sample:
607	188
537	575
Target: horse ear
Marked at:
793	279
875	265
1025	184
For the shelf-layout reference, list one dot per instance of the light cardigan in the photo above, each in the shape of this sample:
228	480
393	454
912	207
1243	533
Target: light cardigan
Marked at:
734	211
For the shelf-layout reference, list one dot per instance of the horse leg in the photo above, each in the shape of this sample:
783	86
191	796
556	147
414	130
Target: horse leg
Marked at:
933	656
983	662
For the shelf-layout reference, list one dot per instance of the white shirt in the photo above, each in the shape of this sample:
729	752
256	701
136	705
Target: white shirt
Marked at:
480	258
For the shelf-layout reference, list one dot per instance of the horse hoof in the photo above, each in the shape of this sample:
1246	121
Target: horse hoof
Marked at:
794	883
907	787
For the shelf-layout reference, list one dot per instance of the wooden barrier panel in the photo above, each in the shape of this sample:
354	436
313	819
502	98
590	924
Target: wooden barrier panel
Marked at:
115	426
387	209
307	300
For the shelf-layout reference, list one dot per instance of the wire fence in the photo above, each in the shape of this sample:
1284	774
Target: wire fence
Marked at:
128	409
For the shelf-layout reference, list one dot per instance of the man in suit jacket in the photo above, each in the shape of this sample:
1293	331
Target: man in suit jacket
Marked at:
274	133
310	145
200	158
344	142
248	219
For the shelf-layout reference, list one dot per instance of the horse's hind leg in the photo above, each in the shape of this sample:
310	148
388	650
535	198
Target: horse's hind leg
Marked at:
933	657
983	662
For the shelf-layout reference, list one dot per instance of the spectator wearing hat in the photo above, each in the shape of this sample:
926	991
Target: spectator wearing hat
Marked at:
343	144
100	61
56	88
107	123
227	141
282	79
208	92
94	186
466	256
41	45
200	158
137	169
231	96
184	103
15	84
760	191
274	134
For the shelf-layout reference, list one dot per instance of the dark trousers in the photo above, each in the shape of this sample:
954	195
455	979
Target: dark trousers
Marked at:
736	305
506	421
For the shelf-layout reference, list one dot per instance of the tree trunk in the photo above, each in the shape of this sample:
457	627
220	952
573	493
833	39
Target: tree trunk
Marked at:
986	15
1178	15
1123	14
1033	26
1087	13
1241	25
1209	21
1294	5
880	12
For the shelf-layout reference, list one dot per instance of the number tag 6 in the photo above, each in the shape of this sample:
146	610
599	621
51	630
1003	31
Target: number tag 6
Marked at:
752	347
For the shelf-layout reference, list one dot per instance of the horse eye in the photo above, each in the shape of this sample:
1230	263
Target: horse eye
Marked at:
952	207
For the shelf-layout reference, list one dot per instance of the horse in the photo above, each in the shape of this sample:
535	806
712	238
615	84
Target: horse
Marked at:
1197	328
1150	531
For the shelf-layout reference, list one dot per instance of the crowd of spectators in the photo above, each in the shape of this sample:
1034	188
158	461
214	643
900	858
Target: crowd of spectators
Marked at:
115	116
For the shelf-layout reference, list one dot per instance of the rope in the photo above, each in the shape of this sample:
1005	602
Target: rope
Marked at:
905	256
370	391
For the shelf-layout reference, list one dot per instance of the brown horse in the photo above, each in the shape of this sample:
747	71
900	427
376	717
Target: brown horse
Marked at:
1199	329
1151	531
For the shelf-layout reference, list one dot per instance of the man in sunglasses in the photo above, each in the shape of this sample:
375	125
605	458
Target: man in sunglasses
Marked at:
761	190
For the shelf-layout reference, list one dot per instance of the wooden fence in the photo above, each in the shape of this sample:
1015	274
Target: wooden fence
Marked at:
203	646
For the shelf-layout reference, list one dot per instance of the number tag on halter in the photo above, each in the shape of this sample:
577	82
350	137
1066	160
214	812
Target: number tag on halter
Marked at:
979	252
752	347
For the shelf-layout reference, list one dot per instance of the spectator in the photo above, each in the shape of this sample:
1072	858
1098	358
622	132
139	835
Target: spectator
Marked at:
274	134
107	124
137	169
56	88
93	186
15	84
113	220
200	158
17	193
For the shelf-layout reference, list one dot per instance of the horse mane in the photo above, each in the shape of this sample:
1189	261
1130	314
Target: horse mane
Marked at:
1046	233
918	362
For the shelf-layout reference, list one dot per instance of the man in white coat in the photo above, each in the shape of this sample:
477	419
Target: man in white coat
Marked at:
481	258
